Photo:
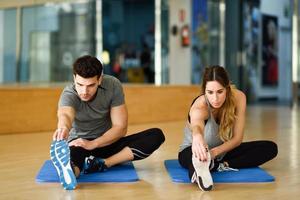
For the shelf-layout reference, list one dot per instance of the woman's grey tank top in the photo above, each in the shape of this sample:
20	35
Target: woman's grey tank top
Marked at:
211	133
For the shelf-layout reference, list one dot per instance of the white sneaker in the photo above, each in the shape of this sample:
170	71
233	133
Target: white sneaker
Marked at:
202	174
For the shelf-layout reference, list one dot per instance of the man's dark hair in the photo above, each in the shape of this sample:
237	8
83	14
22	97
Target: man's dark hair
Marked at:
87	67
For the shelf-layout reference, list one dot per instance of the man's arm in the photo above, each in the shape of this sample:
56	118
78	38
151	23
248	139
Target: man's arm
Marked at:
65	115
119	118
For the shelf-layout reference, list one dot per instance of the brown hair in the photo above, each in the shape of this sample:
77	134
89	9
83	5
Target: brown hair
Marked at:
87	67
227	111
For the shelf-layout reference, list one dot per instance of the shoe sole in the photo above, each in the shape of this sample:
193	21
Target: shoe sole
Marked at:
203	179
60	156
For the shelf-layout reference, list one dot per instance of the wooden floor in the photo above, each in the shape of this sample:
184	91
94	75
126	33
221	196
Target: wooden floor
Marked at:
22	155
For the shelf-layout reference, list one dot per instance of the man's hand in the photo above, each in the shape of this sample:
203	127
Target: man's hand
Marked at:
86	144
61	134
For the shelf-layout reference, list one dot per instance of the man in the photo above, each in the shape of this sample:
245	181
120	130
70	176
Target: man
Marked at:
92	116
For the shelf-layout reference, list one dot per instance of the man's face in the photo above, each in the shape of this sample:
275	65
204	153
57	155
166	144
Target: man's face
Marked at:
86	87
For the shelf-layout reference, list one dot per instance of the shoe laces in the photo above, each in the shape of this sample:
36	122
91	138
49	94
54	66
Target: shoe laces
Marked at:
223	168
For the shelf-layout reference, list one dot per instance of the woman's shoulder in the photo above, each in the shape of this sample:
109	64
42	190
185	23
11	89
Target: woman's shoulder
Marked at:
239	96
200	102
199	109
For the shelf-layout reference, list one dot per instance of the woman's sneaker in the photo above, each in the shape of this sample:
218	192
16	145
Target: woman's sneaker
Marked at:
223	168
60	156
202	174
93	164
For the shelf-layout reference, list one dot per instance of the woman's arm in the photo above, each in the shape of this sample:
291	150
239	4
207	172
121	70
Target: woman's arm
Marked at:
198	114
238	127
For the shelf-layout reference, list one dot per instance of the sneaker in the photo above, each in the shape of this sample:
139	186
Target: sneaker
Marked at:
202	174
60	156
212	165
222	168
93	164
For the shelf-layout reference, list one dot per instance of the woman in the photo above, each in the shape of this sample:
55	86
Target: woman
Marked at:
214	132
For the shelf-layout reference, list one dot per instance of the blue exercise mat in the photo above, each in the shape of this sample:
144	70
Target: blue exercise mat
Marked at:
118	173
247	175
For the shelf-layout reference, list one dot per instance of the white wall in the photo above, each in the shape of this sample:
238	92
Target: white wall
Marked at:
283	91
1	46
180	58
276	7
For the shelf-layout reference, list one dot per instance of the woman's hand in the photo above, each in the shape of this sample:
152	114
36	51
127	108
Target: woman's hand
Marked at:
86	144
199	147
213	153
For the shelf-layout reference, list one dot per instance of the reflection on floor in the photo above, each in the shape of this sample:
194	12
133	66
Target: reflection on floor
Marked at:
22	155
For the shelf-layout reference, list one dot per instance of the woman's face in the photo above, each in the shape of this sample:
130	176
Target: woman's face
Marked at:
215	93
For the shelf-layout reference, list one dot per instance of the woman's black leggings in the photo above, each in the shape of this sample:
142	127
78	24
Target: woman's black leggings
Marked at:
142	145
248	154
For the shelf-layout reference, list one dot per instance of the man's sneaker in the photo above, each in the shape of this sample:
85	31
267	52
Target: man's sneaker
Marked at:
60	156
222	168
93	164
202	174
